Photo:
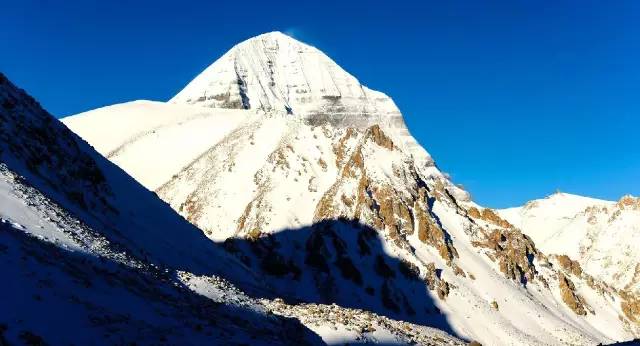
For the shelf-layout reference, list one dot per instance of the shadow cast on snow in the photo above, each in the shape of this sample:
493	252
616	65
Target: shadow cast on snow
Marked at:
334	261
104	301
344	262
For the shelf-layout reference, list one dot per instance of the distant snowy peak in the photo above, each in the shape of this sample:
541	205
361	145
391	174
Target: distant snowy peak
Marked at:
601	235
558	206
277	74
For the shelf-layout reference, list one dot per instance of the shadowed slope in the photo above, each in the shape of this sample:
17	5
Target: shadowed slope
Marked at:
105	302
343	262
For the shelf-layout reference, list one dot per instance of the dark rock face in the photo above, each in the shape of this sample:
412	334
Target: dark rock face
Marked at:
52	156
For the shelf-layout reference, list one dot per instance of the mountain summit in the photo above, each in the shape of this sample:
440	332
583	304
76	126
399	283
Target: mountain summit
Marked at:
313	180
275	73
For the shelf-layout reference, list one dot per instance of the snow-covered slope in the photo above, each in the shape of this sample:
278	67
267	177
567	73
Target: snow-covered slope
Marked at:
322	188
167	136
601	235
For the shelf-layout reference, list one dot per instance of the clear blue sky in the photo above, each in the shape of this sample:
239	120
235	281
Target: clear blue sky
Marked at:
514	99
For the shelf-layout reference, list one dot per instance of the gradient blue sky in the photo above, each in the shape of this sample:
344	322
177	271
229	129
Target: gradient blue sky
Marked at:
514	99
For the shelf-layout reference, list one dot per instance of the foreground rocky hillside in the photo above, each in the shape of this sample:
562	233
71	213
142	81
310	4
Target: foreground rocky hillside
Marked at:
55	265
311	179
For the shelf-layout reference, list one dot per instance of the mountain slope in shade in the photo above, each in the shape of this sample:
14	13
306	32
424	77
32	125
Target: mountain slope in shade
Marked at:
334	201
55	265
600	235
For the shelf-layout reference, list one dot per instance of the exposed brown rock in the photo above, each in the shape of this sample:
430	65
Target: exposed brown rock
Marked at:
243	218
568	292
488	215
279	157
251	222
253	234
322	164
434	282
379	137
474	213
405	217
325	208
458	271
385	209
629	202
439	191
569	265
494	305
191	210
630	306
385	198
354	165
430	232
514	252
491	216
340	149
599	286
347	201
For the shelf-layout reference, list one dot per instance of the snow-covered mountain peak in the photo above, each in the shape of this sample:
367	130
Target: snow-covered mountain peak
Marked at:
599	234
564	196
559	203
277	37
278	74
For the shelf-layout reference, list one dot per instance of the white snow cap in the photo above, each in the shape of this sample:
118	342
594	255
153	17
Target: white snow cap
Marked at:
276	73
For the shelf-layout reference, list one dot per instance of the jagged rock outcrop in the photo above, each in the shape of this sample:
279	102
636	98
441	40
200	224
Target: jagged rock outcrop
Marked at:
573	300
631	306
569	265
513	251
